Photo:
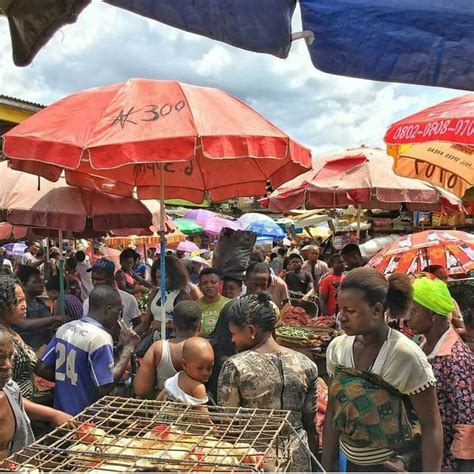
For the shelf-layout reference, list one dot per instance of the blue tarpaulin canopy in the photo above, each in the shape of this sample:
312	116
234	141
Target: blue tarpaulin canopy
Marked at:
257	25
429	42
426	42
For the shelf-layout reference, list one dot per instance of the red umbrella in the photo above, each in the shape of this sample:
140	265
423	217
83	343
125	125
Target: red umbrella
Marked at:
454	250
57	206
114	139
142	134
9	232
361	176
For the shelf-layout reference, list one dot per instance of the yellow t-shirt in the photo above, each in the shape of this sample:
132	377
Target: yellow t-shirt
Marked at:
210	315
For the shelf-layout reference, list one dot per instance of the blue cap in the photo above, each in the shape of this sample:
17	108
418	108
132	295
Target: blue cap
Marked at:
104	265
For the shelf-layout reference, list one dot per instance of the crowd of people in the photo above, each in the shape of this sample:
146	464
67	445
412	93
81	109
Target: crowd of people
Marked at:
400	374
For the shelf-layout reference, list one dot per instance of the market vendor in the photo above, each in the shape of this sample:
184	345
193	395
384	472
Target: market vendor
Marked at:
15	411
212	301
453	364
268	376
127	278
329	285
300	282
315	266
376	364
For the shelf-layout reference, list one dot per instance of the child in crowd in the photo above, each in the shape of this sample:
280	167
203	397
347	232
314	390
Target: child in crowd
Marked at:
187	386
232	288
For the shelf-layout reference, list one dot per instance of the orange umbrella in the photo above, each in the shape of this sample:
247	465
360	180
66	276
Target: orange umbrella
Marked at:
436	144
121	137
453	250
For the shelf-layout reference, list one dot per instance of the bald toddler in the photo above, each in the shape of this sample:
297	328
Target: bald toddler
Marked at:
188	386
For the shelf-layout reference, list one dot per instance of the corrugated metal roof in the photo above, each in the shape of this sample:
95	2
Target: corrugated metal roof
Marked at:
24	104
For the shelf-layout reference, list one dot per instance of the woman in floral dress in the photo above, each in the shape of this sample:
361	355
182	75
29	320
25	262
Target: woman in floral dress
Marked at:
452	363
266	375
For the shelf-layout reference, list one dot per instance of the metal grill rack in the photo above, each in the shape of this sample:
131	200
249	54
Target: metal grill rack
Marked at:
119	434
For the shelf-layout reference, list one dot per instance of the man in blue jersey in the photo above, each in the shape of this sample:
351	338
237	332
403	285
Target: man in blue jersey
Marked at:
80	357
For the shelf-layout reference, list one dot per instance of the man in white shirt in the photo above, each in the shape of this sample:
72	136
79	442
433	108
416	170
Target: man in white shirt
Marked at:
83	267
316	267
29	257
102	273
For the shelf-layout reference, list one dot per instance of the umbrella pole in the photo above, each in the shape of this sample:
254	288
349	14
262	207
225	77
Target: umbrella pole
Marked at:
358	222
162	252
62	308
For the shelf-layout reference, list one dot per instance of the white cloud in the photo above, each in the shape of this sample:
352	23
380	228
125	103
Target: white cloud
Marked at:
213	63
108	45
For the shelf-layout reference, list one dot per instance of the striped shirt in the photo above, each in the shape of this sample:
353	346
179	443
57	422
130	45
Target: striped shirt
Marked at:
73	307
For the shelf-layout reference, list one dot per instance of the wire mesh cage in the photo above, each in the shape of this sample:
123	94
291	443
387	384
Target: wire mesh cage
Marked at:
119	434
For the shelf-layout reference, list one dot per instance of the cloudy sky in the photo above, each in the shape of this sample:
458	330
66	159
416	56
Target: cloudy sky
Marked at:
108	45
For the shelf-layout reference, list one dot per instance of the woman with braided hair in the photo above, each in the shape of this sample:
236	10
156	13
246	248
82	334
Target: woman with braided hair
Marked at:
382	411
266	375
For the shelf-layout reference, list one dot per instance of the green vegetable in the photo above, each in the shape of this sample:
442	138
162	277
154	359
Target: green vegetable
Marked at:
296	332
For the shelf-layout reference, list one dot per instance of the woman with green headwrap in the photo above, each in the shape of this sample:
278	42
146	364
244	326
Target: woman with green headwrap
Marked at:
452	363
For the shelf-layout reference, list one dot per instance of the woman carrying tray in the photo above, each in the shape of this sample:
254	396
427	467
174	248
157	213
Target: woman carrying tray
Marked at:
269	376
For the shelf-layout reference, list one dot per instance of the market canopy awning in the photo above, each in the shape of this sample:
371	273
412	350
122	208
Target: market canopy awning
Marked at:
359	176
426	42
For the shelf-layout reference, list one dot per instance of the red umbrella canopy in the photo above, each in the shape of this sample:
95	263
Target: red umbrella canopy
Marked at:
9	232
62	207
114	138
453	250
361	176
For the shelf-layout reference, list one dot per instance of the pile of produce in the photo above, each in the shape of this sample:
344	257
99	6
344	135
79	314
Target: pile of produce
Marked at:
296	316
305	336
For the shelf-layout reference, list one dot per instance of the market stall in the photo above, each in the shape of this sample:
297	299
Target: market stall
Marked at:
307	333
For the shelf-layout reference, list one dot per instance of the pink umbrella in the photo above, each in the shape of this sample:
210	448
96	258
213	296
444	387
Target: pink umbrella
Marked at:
199	215
215	225
187	246
361	176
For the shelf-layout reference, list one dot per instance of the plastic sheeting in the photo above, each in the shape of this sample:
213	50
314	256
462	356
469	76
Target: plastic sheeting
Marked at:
428	42
257	25
33	23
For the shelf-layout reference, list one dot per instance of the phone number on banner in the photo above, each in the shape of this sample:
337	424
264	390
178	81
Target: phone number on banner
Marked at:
458	127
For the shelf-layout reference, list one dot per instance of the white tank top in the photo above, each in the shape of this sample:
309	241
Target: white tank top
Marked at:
172	386
165	369
155	308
